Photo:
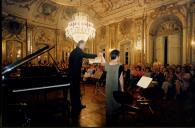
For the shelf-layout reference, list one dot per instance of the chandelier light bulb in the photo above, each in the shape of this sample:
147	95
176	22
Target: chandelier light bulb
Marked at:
80	28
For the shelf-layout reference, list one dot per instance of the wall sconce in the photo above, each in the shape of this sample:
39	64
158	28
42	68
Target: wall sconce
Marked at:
18	53
193	43
138	45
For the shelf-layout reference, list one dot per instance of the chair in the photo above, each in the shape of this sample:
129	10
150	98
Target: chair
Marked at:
97	77
126	100
151	98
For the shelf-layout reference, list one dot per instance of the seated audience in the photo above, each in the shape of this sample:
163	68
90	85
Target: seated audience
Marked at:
169	82
158	76
186	77
147	72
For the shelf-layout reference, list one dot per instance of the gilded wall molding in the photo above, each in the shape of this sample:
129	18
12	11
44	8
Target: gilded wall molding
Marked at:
169	27
170	9
102	33
124	26
13	28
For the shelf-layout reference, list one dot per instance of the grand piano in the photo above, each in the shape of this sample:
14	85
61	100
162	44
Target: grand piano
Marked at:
28	92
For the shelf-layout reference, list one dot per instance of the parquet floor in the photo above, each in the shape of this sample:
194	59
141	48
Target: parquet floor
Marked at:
94	114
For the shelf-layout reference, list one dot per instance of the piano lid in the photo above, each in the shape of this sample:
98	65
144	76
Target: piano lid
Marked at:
18	63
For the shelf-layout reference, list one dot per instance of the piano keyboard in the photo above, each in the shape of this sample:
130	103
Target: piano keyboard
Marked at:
40	88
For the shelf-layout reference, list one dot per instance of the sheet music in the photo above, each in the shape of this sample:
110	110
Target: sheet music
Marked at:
144	82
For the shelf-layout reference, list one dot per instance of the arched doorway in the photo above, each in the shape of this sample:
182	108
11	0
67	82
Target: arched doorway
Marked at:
166	40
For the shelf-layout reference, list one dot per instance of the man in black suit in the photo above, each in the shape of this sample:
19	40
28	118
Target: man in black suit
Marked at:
75	64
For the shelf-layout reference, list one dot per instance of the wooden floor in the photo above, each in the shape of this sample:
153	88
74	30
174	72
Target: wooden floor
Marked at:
94	114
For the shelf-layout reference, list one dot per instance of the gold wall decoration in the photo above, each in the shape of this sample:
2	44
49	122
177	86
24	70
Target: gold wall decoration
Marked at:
171	9
115	4
125	26
43	35
103	32
13	50
145	2
14	38
13	27
169	27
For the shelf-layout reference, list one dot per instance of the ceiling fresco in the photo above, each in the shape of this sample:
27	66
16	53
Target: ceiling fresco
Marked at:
20	3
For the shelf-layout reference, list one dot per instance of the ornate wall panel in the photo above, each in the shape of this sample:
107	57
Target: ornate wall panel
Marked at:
14	38
43	35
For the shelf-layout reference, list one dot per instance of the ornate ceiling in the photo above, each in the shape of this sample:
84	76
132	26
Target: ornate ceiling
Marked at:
56	13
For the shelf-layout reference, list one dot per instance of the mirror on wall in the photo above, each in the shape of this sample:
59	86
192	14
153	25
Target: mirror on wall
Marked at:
12	50
13	39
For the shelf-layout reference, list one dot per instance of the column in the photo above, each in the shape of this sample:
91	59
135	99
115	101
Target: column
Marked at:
108	43
192	34
184	52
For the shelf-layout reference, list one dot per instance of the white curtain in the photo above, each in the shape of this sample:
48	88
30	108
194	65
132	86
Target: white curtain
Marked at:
159	49
174	49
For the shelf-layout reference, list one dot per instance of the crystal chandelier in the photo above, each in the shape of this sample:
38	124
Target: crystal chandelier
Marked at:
80	28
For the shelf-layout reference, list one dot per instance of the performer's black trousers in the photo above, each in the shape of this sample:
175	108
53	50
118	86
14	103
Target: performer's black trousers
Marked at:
75	96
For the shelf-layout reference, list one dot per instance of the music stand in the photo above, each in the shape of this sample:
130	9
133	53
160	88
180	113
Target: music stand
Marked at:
97	77
144	82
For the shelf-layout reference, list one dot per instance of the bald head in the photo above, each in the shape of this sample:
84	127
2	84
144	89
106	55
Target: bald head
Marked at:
81	44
